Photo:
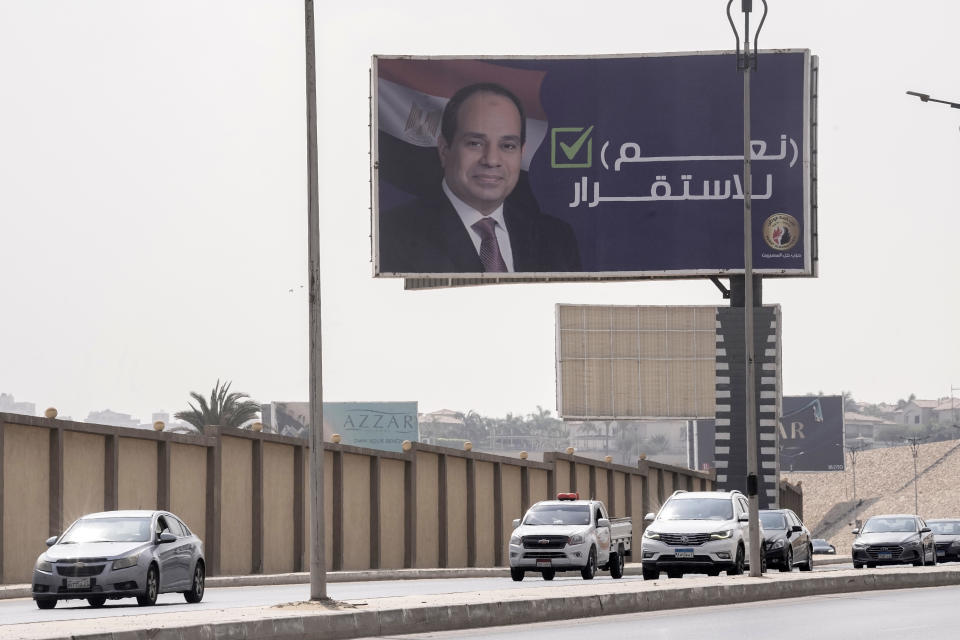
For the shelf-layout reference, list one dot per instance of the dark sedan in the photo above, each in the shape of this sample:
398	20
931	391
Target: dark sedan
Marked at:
822	546
894	539
786	540
120	554
946	534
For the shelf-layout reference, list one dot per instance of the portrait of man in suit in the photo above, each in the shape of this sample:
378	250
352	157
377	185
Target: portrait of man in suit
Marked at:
470	224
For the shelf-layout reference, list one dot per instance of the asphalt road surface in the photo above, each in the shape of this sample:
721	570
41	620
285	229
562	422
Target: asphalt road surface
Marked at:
870	615
23	610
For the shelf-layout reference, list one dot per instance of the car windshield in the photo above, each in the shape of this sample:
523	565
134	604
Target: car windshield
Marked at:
108	530
945	528
558	514
885	525
773	521
697	509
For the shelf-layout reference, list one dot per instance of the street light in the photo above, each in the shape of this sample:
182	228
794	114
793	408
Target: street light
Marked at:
925	97
915	450
745	62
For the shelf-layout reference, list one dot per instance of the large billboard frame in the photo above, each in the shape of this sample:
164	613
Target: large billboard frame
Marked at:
431	279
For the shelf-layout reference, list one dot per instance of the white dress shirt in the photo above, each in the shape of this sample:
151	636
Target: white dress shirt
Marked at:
470	216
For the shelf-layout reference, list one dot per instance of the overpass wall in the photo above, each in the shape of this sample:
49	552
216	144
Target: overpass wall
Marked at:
246	494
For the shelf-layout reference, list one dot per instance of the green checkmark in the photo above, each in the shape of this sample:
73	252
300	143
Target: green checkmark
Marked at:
562	154
572	149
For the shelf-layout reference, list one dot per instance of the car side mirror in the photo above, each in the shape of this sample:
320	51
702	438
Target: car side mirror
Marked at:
52	540
603	522
649	517
516	522
166	536
797	528
925	530
743	517
855	532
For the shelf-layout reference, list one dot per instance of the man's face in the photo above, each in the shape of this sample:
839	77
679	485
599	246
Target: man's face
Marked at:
482	163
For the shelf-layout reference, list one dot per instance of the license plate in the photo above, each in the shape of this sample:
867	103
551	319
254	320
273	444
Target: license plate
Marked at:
885	556
683	553
78	583
543	563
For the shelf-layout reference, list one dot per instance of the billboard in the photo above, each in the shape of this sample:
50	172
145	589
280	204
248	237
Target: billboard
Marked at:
622	362
375	425
811	433
618	166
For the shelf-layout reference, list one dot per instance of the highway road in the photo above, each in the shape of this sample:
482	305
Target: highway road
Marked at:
23	610
870	615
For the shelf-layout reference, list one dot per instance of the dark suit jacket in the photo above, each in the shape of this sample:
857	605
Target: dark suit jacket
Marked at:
427	236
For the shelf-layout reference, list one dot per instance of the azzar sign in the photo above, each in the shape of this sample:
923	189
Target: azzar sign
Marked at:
376	425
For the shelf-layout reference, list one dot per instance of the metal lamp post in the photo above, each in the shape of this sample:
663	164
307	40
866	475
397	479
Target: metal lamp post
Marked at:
318	567
746	62
915	450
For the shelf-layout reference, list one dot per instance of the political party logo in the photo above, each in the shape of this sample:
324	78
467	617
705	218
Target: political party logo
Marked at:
781	231
571	147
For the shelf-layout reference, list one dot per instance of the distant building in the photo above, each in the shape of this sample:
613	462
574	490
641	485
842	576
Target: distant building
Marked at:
9	405
113	419
860	430
919	411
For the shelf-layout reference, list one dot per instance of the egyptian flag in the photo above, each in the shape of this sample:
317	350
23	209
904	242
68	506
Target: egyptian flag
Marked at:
410	97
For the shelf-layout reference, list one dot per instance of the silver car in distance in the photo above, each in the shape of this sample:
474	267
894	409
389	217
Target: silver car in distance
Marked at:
120	554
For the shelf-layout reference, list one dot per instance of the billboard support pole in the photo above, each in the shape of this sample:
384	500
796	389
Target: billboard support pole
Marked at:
745	62
318	564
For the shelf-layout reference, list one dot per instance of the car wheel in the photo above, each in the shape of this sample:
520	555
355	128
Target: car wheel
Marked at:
96	601
590	569
871	565
46	603
673	573
713	572
196	589
151	589
787	561
616	565
650	574
549	575
857	565
808	565
933	557
737	568
516	573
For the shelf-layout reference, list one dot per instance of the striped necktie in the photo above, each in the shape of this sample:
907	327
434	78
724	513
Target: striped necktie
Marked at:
490	254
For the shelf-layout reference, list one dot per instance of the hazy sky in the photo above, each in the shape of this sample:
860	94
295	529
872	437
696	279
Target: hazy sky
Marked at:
153	203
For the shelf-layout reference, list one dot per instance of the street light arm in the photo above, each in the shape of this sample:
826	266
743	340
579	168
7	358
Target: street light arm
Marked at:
925	97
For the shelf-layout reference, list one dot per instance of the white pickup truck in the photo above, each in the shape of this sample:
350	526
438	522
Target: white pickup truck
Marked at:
569	534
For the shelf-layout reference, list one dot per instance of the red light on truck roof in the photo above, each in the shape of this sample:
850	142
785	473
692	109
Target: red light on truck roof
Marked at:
568	496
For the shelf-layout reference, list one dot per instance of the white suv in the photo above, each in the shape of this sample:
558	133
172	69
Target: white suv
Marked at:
697	532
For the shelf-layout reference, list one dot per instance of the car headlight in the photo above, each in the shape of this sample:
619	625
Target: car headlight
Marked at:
653	535
721	535
575	539
859	546
955	544
778	544
515	540
44	565
129	561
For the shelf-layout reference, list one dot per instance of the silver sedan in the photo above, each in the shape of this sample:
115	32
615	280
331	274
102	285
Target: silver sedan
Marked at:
120	554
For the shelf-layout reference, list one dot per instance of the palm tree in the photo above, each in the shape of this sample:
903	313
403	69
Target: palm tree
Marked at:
225	409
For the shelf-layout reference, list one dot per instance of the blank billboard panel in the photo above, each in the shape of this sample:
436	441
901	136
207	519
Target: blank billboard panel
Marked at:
617	362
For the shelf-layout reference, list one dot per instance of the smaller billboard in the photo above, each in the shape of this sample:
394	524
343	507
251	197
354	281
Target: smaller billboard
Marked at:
811	433
375	425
